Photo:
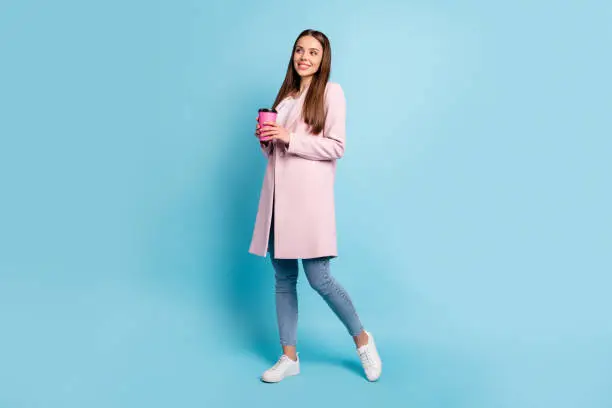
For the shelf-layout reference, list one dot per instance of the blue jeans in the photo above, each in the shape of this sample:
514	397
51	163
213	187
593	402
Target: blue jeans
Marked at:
318	274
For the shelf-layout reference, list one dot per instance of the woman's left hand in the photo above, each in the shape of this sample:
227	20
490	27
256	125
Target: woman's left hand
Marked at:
273	131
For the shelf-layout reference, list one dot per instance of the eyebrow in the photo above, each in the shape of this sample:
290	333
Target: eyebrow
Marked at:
316	49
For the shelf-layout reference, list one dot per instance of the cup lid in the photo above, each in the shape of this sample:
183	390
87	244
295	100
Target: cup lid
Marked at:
268	110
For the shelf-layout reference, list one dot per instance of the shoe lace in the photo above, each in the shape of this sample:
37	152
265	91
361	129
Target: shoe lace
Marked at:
366	358
280	362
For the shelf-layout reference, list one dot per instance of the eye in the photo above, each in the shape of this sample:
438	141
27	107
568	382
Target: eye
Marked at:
314	53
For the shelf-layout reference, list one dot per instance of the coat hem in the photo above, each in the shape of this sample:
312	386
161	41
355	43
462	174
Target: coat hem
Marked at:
330	256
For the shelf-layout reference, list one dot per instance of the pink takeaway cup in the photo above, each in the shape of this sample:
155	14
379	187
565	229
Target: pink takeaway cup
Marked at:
266	115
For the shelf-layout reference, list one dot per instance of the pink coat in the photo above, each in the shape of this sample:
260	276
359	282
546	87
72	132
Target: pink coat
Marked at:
299	179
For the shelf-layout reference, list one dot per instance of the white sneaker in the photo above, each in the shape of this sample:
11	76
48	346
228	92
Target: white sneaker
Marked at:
370	360
284	367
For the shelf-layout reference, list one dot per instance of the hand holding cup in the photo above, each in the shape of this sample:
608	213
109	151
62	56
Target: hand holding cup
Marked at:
268	129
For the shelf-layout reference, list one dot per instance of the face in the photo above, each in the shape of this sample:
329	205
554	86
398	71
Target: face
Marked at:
307	56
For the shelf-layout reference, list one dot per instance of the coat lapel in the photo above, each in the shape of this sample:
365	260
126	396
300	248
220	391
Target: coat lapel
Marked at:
294	114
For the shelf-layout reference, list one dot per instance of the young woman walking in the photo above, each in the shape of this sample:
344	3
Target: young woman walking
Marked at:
296	214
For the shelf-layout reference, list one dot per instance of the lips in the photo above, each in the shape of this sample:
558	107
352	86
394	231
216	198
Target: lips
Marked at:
303	66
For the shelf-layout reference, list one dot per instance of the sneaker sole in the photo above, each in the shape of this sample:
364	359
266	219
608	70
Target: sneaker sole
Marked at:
274	381
269	381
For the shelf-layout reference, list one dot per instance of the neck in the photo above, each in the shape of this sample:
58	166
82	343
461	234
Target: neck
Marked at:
304	83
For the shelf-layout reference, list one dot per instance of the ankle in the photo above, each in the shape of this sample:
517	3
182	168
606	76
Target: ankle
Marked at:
292	356
361	339
291	352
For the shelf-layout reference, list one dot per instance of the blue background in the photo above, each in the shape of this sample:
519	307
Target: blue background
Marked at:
473	204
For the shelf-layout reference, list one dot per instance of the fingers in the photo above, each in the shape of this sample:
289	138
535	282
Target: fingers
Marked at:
270	127
269	132
269	135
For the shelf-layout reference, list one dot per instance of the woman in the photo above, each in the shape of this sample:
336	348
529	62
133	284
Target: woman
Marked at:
295	219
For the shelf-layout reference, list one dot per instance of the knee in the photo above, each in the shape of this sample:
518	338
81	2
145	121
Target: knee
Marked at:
318	275
286	281
322	284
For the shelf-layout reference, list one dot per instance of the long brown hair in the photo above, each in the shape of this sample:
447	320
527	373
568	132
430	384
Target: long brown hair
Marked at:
313	111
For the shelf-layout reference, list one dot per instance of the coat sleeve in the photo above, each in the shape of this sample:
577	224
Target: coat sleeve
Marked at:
330	145
266	148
